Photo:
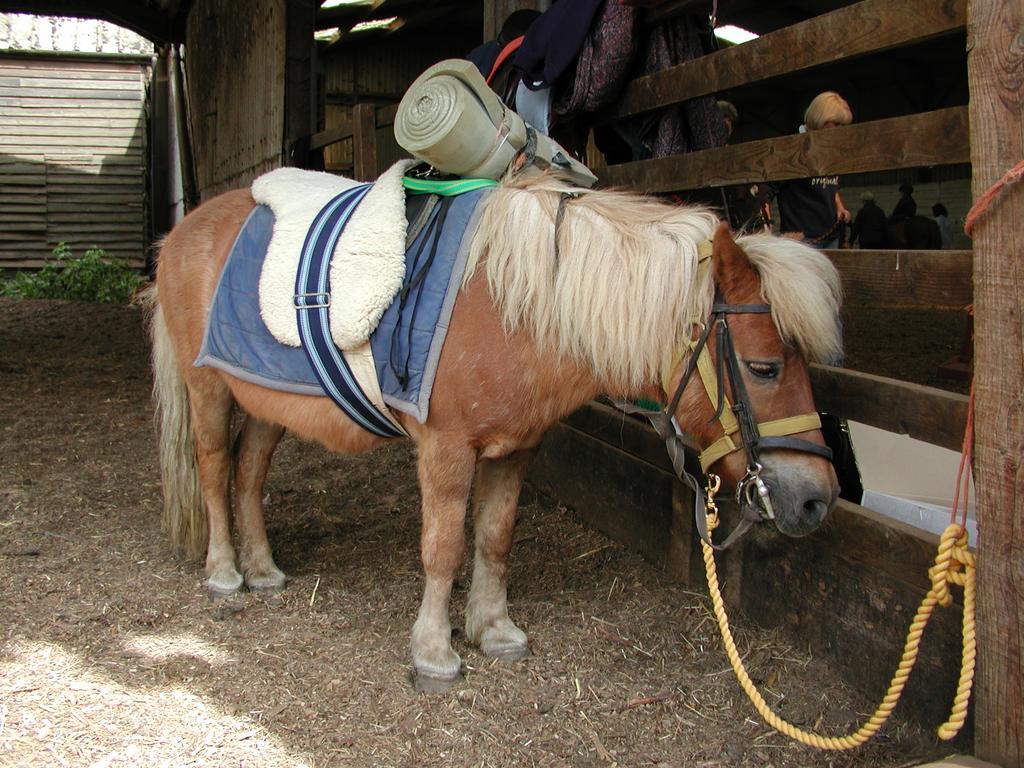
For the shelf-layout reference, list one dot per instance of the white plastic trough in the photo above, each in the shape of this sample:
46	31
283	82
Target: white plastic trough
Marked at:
907	479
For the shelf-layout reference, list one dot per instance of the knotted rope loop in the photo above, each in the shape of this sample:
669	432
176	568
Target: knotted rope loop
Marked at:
950	563
953	563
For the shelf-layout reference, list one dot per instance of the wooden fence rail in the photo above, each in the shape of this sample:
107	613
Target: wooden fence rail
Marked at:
867	27
924	139
905	278
924	413
367	119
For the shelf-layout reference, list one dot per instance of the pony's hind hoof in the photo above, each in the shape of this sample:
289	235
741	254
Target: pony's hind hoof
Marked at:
505	641
429	684
507	652
273	581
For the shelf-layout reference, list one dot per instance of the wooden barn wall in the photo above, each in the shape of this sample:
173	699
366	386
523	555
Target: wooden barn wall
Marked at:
72	157
235	72
378	74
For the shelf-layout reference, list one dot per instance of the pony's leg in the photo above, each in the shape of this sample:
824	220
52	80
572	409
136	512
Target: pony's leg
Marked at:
253	452
445	474
211	403
495	498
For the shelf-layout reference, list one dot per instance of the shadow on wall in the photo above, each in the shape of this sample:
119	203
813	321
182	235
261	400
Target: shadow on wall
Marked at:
79	199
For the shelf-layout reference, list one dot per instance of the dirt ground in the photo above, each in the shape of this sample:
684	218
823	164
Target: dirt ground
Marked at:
111	653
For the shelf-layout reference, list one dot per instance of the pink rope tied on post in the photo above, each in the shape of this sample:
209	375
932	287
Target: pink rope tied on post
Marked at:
963	473
982	204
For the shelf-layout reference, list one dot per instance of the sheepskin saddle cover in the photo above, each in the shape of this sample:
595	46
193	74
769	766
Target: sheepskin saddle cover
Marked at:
368	260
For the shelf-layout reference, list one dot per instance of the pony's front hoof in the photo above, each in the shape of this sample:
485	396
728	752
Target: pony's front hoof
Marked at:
271	580
436	671
224	583
504	640
430	684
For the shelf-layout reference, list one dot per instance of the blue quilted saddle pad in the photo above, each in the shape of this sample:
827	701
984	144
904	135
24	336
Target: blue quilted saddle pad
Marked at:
408	340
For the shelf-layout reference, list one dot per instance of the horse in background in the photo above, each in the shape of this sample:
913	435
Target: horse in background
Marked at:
569	294
913	233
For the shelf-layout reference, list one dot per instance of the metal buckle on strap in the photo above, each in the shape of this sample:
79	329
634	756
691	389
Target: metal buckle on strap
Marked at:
754	491
312	300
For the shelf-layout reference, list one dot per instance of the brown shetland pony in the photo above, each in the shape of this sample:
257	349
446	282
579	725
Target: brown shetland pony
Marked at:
538	329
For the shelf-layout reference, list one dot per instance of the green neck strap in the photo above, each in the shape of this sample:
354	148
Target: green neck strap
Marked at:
445	188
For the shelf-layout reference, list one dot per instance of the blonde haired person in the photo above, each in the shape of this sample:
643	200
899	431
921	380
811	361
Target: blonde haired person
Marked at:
827	110
811	209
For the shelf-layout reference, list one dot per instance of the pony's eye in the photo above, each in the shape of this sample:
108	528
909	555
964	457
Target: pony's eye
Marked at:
764	370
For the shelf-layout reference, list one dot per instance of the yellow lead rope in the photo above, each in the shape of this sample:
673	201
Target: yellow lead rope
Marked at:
953	563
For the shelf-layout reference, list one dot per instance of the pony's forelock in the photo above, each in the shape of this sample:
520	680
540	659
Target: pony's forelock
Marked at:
804	290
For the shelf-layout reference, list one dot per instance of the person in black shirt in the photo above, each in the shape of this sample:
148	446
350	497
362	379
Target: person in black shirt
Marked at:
811	209
906	207
869	225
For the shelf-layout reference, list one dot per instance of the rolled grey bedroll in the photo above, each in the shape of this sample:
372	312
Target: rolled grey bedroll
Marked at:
451	119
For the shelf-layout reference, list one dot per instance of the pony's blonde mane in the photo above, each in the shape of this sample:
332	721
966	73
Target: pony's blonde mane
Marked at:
620	286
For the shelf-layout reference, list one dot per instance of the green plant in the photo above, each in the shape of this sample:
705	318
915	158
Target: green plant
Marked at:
93	277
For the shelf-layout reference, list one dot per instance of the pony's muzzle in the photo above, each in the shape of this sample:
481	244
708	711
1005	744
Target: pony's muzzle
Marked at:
804	498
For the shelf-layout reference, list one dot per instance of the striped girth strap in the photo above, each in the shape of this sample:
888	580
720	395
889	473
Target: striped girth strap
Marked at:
312	302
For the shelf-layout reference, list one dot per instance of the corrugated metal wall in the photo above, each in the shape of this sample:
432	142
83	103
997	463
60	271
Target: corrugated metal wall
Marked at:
235	76
72	156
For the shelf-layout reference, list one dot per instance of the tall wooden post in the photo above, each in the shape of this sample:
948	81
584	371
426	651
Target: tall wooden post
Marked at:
364	142
299	96
995	65
160	219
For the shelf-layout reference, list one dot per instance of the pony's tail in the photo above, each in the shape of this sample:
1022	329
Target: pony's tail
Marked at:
184	517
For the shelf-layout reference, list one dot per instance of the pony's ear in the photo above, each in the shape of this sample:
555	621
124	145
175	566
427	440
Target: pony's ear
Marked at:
730	262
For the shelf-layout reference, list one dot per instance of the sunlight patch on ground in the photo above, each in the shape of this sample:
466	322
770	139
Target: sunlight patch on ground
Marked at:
164	647
55	710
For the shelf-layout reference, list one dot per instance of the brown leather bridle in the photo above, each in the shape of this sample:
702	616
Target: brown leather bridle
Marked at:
738	418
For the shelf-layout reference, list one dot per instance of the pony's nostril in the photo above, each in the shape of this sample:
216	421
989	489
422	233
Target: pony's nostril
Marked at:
815	509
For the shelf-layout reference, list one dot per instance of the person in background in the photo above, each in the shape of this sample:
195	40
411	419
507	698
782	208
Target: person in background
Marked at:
730	115
941	216
811	209
869	224
906	207
742	204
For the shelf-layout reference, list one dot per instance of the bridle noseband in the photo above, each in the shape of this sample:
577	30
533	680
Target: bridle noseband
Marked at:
737	418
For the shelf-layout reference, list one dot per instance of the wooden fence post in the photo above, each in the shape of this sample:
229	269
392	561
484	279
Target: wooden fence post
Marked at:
299	98
364	142
995	69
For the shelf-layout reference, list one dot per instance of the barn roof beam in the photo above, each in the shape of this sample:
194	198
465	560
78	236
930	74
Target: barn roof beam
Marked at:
398	17
162	21
342	16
